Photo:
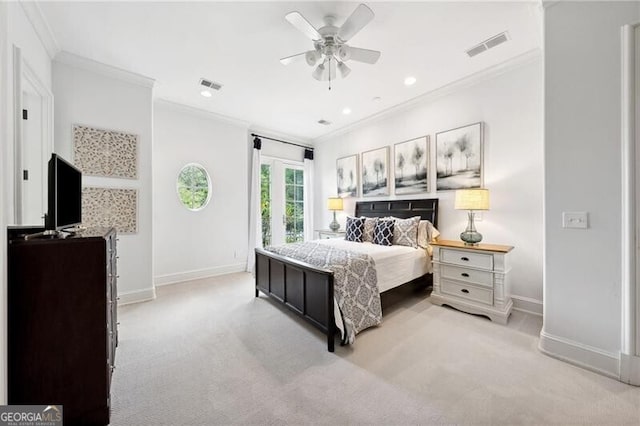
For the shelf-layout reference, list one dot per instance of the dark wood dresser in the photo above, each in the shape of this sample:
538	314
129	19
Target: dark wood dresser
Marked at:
62	323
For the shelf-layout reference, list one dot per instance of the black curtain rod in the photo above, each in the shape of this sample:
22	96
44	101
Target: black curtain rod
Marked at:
278	140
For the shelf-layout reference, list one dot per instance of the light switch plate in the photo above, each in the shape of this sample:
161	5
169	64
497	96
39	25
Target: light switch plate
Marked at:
576	220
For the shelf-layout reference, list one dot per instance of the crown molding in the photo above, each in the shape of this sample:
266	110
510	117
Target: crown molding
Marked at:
201	112
66	58
41	27
526	58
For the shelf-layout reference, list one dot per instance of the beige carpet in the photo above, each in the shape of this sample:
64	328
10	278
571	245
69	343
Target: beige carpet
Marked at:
208	352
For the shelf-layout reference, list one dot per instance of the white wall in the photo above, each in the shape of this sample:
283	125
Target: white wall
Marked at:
94	94
582	318
212	241
509	102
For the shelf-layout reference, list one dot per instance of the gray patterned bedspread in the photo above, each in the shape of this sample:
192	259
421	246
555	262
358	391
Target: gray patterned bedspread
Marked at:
355	282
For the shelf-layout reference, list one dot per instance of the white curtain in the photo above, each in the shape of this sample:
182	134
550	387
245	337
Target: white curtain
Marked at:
308	195
255	212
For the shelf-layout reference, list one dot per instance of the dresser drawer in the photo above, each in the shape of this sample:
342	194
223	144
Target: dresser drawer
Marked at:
465	258
477	294
483	278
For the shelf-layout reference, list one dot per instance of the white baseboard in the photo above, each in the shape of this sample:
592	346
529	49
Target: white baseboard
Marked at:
527	304
630	369
136	296
197	274
584	356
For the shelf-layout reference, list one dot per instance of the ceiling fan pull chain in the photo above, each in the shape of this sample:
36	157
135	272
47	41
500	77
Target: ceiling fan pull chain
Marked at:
329	73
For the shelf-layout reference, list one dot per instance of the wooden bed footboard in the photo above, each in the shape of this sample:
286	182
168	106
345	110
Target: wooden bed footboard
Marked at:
305	289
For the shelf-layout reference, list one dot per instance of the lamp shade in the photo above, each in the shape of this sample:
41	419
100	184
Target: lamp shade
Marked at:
334	203
472	199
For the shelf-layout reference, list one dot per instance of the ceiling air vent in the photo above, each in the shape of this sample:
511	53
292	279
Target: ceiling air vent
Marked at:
476	50
210	84
324	122
488	44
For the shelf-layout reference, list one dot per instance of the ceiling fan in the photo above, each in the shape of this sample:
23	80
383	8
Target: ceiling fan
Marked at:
330	48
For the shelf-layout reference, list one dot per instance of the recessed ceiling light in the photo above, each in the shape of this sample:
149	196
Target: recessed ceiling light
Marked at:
206	93
377	99
409	81
346	111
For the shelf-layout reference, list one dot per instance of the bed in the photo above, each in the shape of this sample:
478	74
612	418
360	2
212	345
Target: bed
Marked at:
308	290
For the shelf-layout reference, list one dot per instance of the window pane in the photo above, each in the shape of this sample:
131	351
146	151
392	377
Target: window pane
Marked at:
299	193
299	177
289	209
199	178
186	197
290	192
289	176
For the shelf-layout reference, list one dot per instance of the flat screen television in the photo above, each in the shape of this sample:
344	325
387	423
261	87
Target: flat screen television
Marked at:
65	195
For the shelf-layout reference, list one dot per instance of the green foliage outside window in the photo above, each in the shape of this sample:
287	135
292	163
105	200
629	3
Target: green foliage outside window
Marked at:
194	187
294	205
265	203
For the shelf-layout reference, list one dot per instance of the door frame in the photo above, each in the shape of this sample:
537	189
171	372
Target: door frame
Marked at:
23	72
630	318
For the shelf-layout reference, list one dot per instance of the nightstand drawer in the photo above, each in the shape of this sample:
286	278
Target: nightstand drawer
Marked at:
324	235
470	292
466	258
483	278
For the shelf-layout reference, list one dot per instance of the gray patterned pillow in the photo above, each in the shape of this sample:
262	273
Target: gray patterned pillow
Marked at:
405	232
383	232
369	226
355	228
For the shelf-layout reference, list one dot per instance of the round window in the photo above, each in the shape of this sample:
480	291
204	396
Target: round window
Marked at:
194	187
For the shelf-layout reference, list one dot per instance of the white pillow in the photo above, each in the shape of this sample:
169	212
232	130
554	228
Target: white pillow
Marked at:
426	233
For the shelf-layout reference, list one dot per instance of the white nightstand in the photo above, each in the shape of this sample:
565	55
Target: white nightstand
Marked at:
327	233
473	279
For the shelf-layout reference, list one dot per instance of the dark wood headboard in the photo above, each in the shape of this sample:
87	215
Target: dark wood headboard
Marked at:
427	209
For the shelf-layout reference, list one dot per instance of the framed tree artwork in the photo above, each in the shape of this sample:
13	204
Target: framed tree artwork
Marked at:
347	176
459	158
375	172
411	166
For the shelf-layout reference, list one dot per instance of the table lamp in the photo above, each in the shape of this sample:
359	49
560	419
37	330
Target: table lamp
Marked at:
334	204
472	200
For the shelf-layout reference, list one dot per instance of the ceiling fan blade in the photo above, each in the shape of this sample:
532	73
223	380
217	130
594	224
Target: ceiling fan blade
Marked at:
364	55
301	23
292	58
354	23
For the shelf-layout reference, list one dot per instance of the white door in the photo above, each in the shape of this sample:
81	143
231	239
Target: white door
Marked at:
34	161
282	202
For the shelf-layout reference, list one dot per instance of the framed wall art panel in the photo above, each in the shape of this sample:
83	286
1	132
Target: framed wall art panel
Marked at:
411	166
108	153
347	176
106	207
375	172
459	158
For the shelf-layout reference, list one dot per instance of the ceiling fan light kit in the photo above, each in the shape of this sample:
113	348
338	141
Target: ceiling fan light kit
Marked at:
330	48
